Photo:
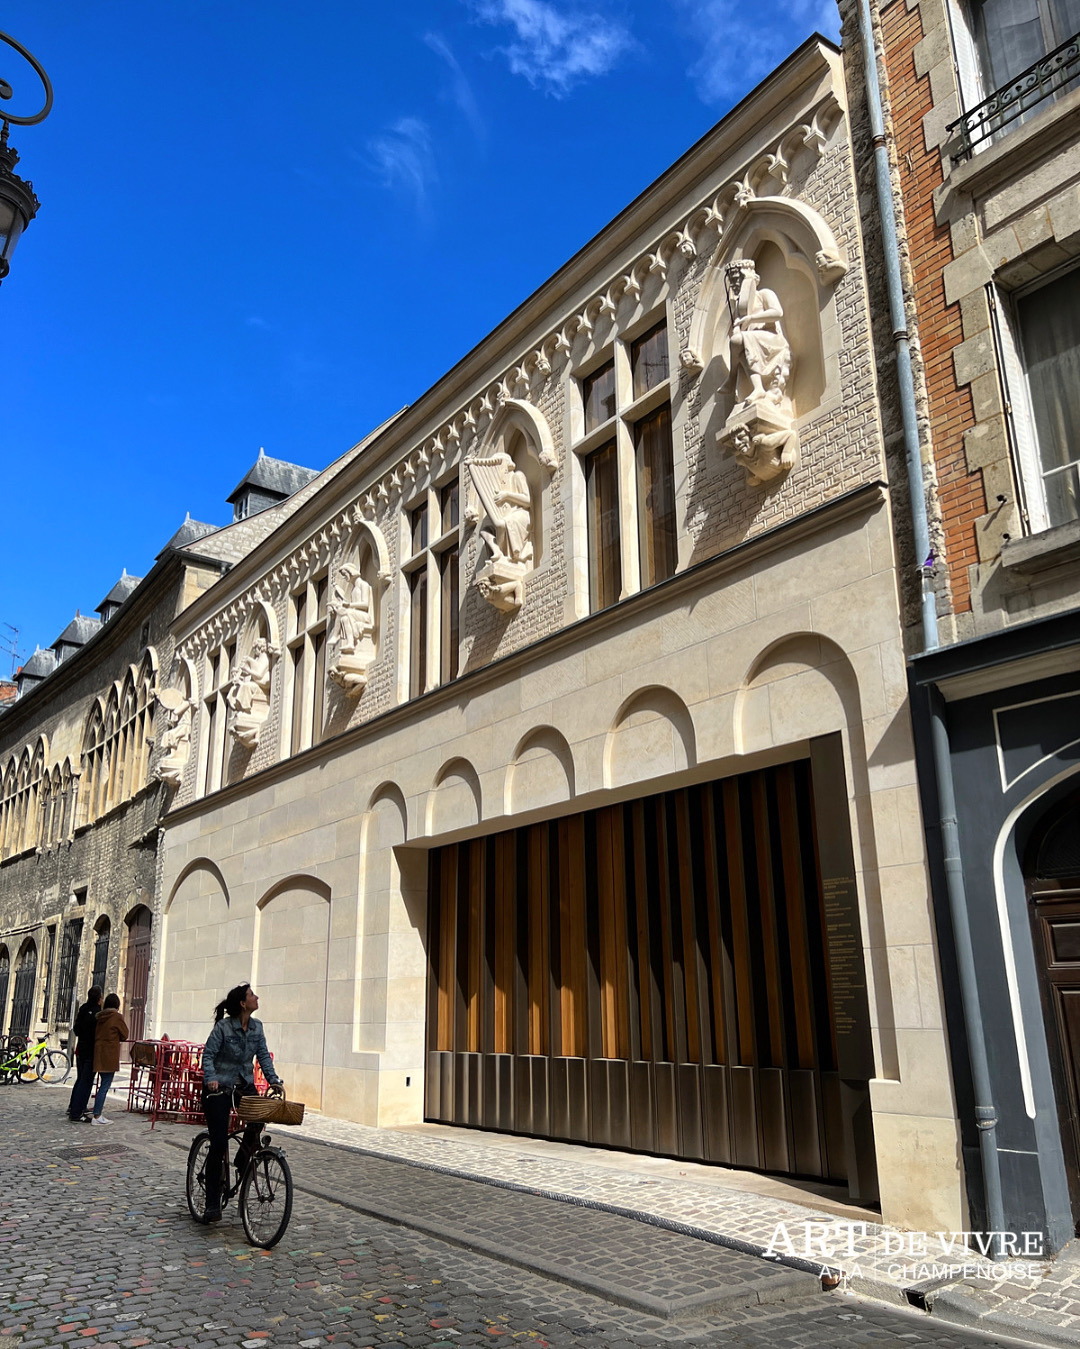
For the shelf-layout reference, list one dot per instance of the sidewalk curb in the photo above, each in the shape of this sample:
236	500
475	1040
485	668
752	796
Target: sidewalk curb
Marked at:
958	1307
703	1304
951	1306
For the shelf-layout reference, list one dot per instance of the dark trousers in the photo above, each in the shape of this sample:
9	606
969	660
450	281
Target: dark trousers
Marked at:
217	1107
84	1083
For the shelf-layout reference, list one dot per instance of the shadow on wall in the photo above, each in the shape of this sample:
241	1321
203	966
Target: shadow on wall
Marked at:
804	686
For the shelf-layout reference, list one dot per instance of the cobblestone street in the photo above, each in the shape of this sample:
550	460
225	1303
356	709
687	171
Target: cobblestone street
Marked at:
96	1246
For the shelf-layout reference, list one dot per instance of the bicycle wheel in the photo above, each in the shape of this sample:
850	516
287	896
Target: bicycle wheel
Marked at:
196	1176
53	1066
266	1198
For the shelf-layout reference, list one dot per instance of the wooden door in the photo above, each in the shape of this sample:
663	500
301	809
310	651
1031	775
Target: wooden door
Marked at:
137	977
655	975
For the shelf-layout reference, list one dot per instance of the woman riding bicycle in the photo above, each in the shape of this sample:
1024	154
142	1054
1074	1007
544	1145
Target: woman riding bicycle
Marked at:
236	1039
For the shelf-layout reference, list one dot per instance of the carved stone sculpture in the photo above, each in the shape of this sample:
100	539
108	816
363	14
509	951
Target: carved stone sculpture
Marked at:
760	429
352	608
506	528
175	742
249	694
765	455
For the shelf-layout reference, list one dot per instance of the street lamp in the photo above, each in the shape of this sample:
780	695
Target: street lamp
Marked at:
18	204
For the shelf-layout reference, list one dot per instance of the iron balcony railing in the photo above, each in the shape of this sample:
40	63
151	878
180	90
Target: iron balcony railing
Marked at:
1015	99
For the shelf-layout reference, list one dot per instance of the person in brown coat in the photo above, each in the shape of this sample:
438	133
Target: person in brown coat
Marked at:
111	1032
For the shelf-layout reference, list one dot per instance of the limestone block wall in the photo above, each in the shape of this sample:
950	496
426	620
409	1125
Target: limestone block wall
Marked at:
782	622
731	665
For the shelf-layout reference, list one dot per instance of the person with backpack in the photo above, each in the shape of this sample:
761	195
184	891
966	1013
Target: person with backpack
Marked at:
84	1030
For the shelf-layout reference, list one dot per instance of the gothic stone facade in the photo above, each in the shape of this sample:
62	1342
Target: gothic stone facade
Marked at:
79	811
551	767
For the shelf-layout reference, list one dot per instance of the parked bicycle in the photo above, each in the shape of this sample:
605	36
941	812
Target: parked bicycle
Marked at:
264	1186
21	1061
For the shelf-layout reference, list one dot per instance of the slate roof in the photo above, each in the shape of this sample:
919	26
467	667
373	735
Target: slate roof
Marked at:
120	591
274	475
79	631
188	532
40	664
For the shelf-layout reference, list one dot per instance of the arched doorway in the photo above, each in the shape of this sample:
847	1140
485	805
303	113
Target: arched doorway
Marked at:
1052	876
102	932
5	975
22	1004
137	970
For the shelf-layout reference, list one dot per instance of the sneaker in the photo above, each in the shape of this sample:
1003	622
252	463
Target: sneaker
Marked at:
212	1215
86	1118
100	1119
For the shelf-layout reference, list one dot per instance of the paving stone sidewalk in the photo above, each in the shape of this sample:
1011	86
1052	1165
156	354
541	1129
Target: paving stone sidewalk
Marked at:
1043	1302
97	1247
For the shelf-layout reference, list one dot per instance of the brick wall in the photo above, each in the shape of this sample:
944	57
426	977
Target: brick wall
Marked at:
960	492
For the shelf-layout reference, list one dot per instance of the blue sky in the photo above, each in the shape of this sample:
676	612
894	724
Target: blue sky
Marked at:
268	227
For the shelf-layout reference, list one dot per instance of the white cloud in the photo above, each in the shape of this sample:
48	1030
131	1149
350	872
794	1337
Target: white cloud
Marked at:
401	156
556	49
460	88
738	44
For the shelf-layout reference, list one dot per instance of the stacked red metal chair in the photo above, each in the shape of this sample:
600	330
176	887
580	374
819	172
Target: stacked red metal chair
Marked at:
166	1081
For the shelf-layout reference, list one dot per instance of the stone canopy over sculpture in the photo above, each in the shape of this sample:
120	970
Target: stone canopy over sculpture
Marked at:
352	608
760	429
249	694
506	528
175	742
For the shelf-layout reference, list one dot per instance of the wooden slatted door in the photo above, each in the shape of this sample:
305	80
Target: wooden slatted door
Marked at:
655	975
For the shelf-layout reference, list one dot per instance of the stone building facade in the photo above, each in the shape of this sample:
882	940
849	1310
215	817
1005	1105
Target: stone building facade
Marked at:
550	766
87	747
981	101
79	804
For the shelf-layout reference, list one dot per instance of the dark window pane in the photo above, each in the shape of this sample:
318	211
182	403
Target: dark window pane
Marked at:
656	497
1050	335
208	772
319	649
605	557
418	527
320	597
295	738
300	609
448	502
418	632
448	565
598	391
649	360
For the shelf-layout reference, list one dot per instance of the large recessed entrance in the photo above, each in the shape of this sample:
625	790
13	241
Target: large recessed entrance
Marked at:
680	974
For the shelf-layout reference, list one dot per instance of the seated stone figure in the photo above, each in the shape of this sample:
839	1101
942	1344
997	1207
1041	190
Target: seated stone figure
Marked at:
760	352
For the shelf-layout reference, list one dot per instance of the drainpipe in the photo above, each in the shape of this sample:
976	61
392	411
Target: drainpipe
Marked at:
985	1113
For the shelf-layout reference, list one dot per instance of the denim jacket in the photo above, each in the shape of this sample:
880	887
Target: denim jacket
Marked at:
230	1049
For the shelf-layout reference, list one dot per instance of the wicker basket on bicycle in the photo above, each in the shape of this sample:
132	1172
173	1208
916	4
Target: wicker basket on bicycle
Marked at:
270	1110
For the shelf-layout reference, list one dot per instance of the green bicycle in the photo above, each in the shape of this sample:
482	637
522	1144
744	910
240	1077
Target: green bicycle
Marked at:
21	1061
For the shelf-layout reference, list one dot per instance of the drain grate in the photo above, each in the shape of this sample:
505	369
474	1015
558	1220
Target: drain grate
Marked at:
83	1154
